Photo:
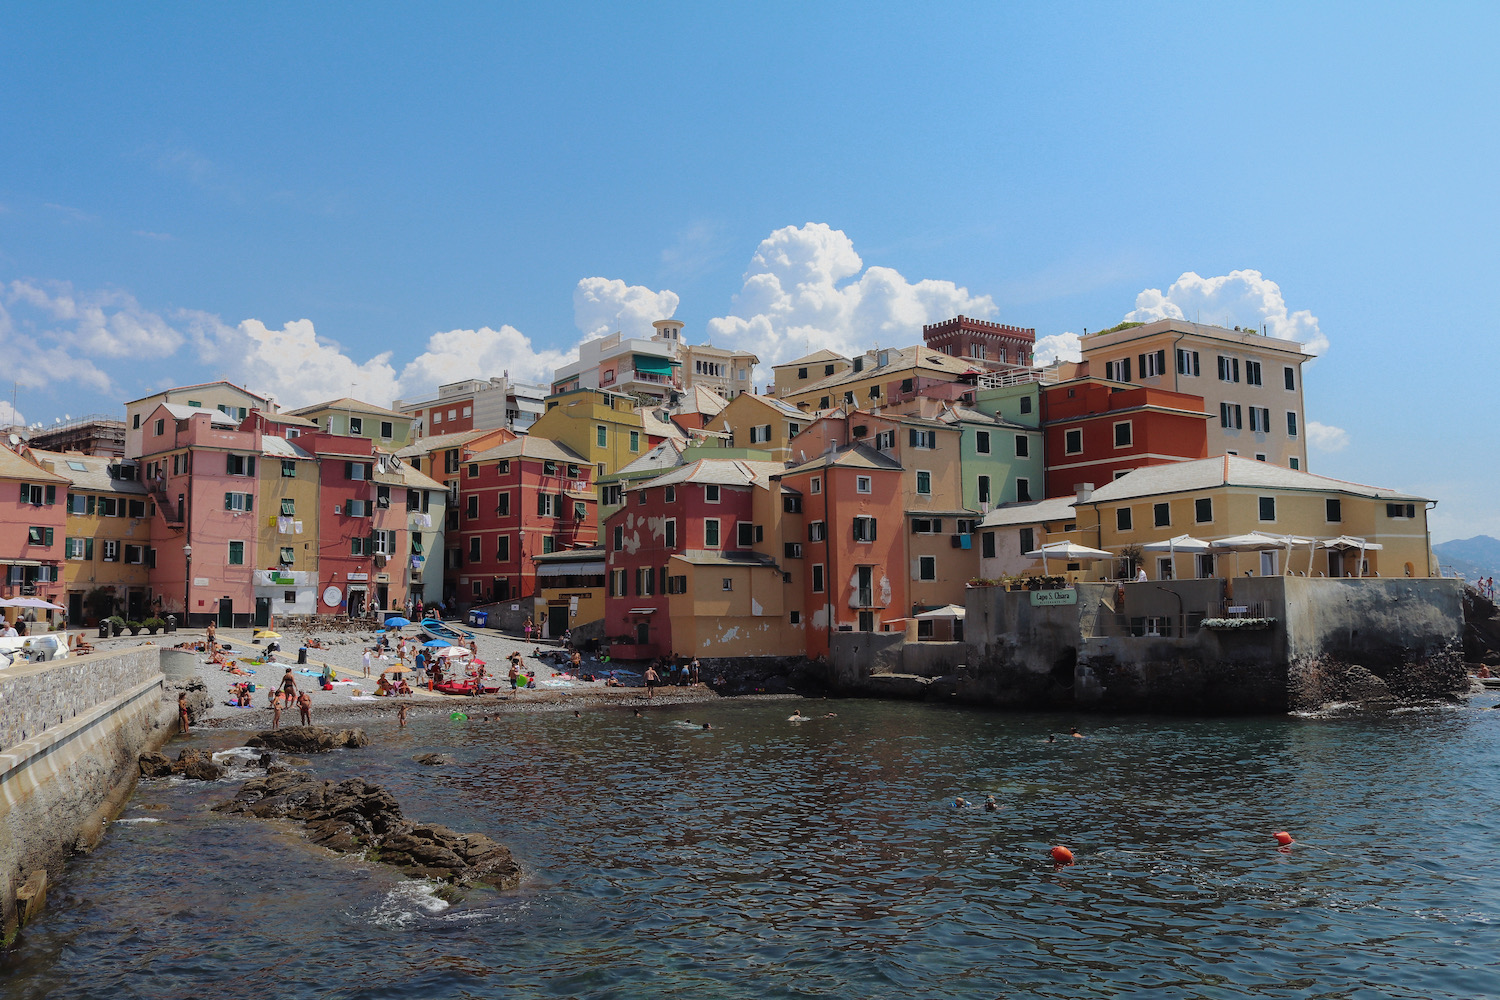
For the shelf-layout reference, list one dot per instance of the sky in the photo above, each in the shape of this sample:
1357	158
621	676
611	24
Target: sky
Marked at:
320	200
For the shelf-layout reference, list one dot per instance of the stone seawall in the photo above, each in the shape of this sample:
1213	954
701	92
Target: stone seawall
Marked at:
70	733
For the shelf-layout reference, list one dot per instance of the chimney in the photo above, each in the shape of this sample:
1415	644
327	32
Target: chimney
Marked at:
1084	491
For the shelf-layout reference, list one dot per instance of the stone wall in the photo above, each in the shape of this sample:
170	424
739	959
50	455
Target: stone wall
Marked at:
72	731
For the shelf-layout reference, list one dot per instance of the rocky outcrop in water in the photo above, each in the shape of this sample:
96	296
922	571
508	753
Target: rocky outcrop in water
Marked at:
355	815
433	759
189	764
307	739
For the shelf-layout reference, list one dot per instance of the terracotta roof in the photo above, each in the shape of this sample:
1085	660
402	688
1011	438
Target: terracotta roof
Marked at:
527	446
440	442
13	466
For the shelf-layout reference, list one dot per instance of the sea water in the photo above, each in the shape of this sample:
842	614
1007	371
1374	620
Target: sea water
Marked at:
762	858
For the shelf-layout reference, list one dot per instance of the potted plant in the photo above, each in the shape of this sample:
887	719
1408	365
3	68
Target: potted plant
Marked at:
116	624
134	627
153	624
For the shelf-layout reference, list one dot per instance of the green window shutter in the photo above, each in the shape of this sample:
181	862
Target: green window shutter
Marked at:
88	549
250	466
249	501
91	503
51	494
47	537
228	501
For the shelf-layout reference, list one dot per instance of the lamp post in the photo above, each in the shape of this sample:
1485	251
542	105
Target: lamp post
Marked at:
187	584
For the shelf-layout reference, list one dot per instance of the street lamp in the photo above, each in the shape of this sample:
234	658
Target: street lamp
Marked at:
187	584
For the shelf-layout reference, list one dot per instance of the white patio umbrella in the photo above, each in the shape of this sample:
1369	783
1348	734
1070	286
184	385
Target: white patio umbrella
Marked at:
1253	541
1344	543
1176	544
1068	551
30	602
946	611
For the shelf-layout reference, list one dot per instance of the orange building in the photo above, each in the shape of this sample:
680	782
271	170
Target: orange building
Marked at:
1095	431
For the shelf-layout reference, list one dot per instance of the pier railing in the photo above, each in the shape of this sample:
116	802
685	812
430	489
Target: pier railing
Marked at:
1125	626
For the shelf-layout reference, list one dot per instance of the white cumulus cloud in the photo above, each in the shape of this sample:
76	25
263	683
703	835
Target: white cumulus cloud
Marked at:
1058	347
463	354
1325	437
804	290
10	416
603	305
1239	298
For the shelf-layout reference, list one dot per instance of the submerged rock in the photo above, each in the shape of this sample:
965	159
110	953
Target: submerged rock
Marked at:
434	759
189	764
307	739
355	815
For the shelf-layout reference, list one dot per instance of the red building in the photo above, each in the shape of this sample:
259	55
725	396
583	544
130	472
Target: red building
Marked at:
518	500
994	344
1095	431
348	544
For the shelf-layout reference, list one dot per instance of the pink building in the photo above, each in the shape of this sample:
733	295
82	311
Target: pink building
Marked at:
33	516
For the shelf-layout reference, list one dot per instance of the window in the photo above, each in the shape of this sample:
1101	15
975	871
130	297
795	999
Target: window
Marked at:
987	545
982	442
669	495
1291	423
77	503
817	484
1333	509
922	439
1073	441
984	489
356	425
472	507
1289	377
791	504
160	428
792	550
388	429
862	484
640	498
1260	419
817	578
239	501
78	548
1122	434
1161	514
885	440
816	531
635	440
1229	369
502	549
828	370
1231	417
711	532
289	596
1187	362
572	470
357	508
1122	519
1260	456
711	493
645	580
1117	371
745	532
611	495
792	430
1203	510
1252	373
288	469
1268	508
1025	404
619	537
474	554
288	507
1153	365
473	470
1391	510
135	422
601	436
823	403
548	505
549	468
502	507
926	526
288	555
1023	446
676	584
437	416
1023	489
927	567
864	529
617	587
670	535
1027	537
802	373
359	472
236	553
760	433
728	583
1294	463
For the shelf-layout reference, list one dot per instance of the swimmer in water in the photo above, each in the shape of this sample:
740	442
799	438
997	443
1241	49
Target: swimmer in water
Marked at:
638	713
796	716
990	805
1076	733
1051	737
831	715
707	726
959	803
577	714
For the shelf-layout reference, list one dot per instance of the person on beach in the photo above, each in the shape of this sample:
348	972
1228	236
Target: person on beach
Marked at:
577	661
304	706
651	679
275	712
960	804
693	672
183	717
367	658
289	688
213	634
638	714
515	669
401	716
527	628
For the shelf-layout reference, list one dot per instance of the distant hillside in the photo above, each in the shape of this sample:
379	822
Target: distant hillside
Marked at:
1473	557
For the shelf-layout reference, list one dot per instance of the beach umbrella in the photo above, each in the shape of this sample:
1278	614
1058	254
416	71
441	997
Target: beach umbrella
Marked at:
396	621
946	611
267	634
30	602
450	652
1344	543
1068	551
1253	541
436	643
398	669
1176	544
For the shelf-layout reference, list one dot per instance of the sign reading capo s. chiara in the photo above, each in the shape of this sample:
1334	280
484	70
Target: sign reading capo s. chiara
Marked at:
1048	598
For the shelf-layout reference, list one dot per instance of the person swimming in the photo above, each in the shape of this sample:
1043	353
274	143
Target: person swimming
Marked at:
796	716
707	726
1075	732
990	805
959	803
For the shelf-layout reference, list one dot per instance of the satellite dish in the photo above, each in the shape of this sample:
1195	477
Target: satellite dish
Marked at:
15	439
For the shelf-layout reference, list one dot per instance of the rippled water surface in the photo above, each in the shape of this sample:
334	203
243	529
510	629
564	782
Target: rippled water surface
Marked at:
825	859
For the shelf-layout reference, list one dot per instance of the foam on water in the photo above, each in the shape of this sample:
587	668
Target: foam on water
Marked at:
406	904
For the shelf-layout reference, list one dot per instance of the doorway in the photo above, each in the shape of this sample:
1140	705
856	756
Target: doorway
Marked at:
383	596
75	608
226	612
642	633
1268	564
262	612
356	602
135	605
557	620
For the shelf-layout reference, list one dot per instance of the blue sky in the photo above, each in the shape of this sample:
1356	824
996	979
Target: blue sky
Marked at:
313	197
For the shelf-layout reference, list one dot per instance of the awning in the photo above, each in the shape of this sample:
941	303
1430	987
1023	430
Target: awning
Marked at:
643	611
652	365
19	562
570	568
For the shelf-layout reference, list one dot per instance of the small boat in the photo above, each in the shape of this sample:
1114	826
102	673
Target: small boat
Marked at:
465	688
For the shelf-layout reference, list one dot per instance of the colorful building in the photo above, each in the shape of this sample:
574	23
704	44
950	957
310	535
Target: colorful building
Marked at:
1096	431
872	377
483	404
108	552
348	542
1251	384
993	345
603	427
762	422
233	401
642	368
569	590
794	376
33	523
387	429
288	520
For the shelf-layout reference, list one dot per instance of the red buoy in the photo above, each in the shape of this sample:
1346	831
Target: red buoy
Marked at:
1285	839
1062	855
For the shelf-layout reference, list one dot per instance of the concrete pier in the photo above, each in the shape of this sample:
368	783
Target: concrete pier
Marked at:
70	733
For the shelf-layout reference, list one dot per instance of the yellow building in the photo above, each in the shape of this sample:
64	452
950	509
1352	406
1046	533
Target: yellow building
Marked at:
226	397
1308	525
796	375
107	550
604	427
286	559
875	377
569	590
764	423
